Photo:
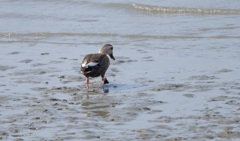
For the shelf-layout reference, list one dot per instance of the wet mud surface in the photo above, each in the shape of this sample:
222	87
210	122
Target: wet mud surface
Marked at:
43	96
175	77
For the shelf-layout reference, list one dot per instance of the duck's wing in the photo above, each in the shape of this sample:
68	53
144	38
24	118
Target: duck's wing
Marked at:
94	64
92	60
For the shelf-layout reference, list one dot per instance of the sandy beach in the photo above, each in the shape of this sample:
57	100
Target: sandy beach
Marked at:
182	84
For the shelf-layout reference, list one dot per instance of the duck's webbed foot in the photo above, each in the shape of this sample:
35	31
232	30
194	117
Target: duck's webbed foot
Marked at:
105	81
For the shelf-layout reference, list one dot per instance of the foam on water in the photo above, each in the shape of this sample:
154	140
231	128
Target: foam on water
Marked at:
182	10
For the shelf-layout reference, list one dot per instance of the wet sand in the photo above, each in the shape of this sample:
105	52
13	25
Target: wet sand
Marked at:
175	77
151	96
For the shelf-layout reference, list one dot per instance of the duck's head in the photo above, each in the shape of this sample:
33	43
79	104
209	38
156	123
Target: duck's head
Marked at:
107	49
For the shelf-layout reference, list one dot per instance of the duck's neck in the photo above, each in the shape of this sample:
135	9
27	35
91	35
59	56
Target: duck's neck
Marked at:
103	51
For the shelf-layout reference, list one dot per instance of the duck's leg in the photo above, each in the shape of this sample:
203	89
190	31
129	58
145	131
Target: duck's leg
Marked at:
104	79
87	82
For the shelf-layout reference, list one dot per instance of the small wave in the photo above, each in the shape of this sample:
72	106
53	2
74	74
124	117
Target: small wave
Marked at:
181	10
7	38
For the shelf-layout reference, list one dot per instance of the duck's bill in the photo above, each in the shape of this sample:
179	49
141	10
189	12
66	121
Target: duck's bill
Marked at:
111	56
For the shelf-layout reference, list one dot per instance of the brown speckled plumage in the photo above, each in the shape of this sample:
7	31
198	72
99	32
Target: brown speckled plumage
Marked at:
94	65
100	69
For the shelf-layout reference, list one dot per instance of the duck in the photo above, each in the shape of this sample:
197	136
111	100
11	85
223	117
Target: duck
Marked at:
95	65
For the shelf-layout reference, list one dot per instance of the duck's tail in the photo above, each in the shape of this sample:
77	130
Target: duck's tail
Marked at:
85	70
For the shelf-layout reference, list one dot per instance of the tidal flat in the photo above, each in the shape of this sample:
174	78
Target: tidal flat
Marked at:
175	77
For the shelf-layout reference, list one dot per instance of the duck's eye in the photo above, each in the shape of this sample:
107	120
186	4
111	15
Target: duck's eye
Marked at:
111	48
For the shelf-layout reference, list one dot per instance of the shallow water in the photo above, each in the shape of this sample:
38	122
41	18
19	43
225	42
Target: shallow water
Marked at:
175	77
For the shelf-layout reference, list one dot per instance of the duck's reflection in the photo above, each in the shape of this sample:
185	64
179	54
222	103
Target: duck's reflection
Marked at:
97	90
105	89
111	88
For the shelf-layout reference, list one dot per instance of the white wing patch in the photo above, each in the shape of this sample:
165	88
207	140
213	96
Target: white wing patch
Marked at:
91	64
